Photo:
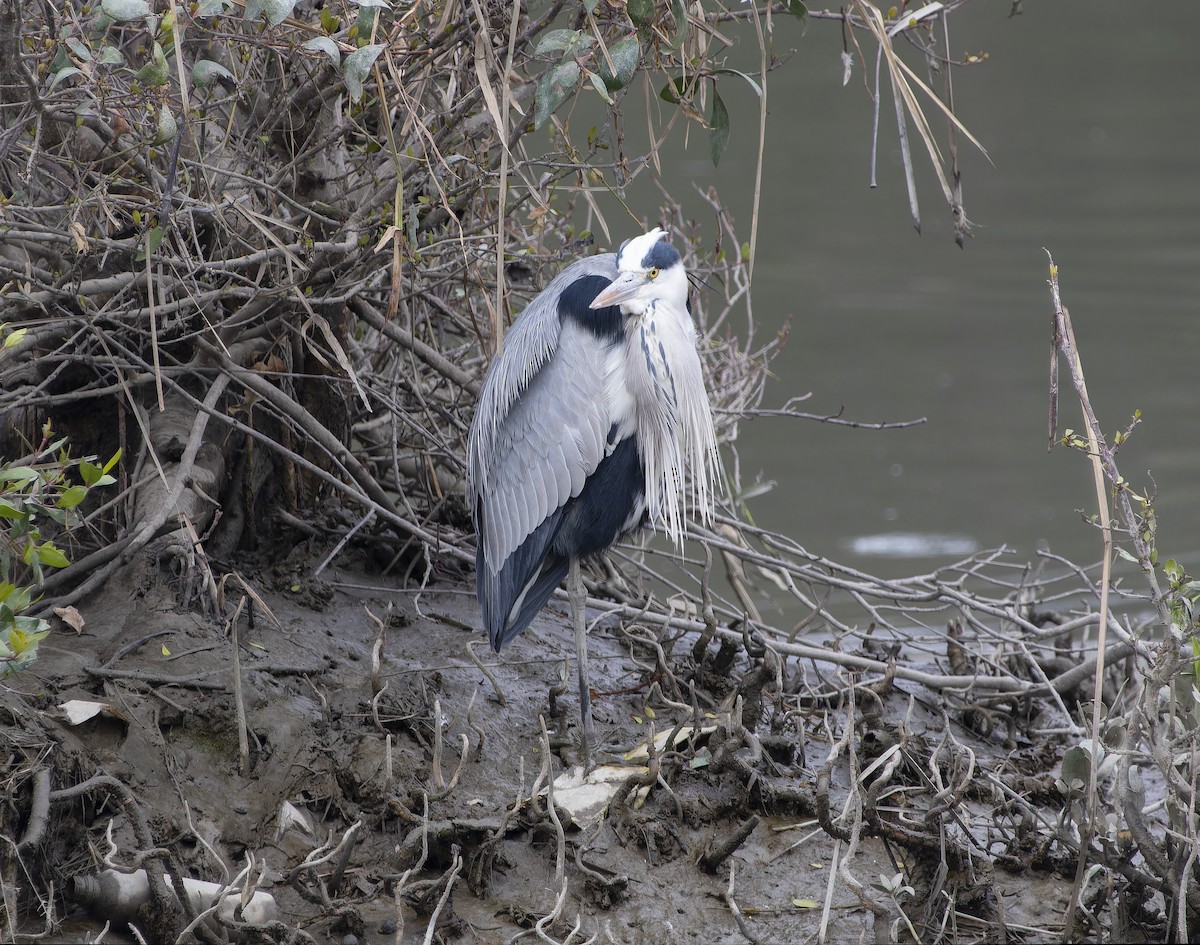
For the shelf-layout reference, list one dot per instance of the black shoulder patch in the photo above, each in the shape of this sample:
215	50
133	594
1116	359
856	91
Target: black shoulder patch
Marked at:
662	256
575	302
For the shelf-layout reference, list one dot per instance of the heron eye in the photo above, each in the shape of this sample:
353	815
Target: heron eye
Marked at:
652	274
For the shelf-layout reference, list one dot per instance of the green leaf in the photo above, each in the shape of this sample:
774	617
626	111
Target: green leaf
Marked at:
14	338
682	26
64	74
89	473
356	67
153	238
206	73
641	13
60	60
278	10
10	511
677	89
754	85
122	10
1077	763
168	127
20	641
598	85
15	599
50	556
111	56
72	497
18	474
213	7
798	9
327	46
116	458
555	85
154	73
625	55
718	123
562	40
79	48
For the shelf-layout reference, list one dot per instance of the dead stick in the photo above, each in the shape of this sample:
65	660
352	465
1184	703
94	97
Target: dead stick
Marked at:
238	701
720	852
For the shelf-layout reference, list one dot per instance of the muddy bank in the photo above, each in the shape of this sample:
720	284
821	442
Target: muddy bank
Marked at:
379	765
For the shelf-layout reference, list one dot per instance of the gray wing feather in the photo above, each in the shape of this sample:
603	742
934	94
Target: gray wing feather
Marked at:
540	427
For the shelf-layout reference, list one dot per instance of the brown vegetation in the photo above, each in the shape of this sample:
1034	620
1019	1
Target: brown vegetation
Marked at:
267	256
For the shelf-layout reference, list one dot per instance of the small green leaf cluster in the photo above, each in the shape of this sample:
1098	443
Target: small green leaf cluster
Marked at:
33	494
1183	602
355	66
579	55
97	51
610	66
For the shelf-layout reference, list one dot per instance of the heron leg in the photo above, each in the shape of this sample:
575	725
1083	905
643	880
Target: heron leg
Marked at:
578	597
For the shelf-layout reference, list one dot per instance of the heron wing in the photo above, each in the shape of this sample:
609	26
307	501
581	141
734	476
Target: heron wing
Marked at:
540	430
550	441
529	345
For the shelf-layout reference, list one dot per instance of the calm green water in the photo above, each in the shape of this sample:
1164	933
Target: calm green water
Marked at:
1090	114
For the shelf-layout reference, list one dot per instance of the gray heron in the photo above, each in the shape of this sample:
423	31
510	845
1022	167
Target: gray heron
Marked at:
584	428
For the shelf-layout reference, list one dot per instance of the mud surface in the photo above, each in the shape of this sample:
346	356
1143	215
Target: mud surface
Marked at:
348	746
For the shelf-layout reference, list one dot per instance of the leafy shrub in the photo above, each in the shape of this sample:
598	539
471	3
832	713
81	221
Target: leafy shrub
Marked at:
43	494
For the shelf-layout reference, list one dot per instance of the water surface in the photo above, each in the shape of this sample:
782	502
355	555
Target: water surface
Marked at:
1090	116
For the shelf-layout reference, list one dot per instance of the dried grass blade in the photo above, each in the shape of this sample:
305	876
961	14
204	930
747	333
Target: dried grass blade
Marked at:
910	179
485	86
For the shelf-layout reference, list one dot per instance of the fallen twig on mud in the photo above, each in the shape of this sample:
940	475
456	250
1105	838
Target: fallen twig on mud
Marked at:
830	885
419	865
487	672
377	683
854	811
153	679
731	902
445	788
560	878
449	878
560	858
39	811
718	853
476	728
239	702
304	877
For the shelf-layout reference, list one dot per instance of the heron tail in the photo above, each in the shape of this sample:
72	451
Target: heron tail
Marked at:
511	597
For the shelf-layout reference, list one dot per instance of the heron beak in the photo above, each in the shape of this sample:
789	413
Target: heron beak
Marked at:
621	289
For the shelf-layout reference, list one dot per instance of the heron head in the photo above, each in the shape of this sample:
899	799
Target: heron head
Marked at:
649	269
